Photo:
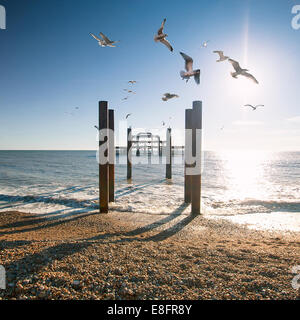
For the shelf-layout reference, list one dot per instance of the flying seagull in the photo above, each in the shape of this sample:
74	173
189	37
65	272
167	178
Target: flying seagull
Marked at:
240	72
205	44
161	36
221	55
130	91
128	115
168	96
125	98
254	107
104	42
163	123
96	128
132	81
189	69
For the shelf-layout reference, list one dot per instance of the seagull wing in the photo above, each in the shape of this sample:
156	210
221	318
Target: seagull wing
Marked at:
235	65
220	53
197	78
95	37
128	115
188	62
250	76
161	29
104	37
167	44
260	105
249	105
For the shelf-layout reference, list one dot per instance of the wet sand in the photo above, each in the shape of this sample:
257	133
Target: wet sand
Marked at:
141	256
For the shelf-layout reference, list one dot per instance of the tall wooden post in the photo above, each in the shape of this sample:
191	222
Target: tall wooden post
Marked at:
169	154
103	167
111	125
129	153
196	146
187	178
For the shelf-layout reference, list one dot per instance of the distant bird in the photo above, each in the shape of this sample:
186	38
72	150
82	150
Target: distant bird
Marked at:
132	81
168	96
189	68
254	107
163	123
125	98
130	91
96	128
128	115
104	42
161	36
221	55
205	44
240	72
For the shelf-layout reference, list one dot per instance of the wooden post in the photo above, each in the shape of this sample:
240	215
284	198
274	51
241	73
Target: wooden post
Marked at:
103	167
187	178
129	153
169	155
138	153
196	178
111	125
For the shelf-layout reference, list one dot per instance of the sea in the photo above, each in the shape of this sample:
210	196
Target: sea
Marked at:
257	189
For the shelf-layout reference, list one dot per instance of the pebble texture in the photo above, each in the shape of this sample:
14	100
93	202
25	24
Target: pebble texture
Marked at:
141	256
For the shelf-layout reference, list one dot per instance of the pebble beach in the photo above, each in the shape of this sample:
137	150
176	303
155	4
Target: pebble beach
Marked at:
126	256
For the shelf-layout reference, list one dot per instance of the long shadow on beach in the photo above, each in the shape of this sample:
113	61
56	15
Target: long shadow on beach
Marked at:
60	251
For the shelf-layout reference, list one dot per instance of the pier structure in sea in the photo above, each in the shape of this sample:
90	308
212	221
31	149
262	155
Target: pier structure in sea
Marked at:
147	143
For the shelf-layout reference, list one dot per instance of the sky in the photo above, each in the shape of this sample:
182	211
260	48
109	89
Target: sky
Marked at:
50	66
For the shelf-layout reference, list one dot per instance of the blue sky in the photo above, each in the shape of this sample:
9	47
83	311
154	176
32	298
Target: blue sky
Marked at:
50	65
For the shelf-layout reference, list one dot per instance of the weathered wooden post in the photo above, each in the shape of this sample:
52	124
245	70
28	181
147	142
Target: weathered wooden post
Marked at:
159	147
169	154
111	155
197	152
103	165
188	143
129	153
138	153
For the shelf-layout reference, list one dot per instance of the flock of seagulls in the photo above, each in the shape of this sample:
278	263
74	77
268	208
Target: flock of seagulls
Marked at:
131	82
189	72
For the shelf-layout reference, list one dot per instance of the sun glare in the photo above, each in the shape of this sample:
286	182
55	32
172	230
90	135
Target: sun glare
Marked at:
245	173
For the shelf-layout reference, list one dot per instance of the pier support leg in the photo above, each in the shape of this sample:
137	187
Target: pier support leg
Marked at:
169	155
111	155
197	153
187	178
129	153
103	167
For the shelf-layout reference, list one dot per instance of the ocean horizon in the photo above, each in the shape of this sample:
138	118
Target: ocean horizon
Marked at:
258	189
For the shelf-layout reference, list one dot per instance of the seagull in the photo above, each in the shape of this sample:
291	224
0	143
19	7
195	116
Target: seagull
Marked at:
161	36
163	123
125	98
104	42
96	128
189	68
254	107
221	55
130	91
240	72
132	81
204	44
168	96
128	115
